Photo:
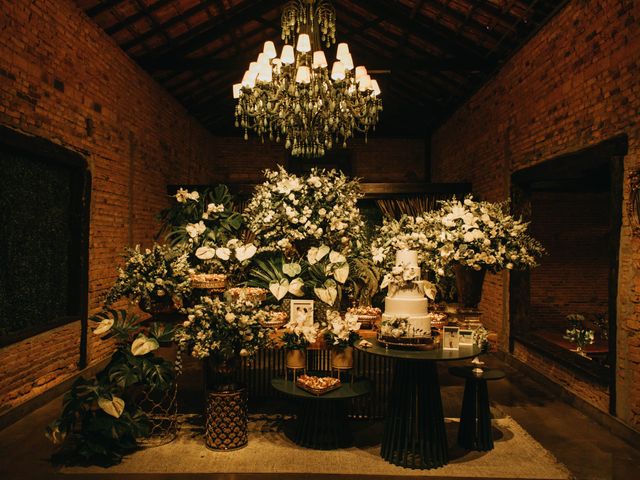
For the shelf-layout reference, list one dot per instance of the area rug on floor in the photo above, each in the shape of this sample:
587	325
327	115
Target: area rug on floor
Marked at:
516	455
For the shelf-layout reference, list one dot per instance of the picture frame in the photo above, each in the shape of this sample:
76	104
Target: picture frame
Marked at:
301	307
465	337
451	338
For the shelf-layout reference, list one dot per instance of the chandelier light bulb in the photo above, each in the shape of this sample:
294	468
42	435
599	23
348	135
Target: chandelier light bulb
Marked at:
304	43
337	72
303	75
364	83
361	71
348	61
253	67
249	79
265	74
287	56
376	88
237	90
262	59
342	52
319	59
269	50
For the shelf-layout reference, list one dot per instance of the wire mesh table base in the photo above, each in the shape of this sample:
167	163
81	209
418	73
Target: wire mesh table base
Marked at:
161	409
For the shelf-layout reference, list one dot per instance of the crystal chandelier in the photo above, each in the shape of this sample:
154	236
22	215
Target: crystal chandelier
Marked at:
296	98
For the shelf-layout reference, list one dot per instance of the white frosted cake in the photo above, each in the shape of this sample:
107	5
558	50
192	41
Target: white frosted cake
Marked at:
405	307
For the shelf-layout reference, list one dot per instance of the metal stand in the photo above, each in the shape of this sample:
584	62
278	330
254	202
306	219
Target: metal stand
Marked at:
226	419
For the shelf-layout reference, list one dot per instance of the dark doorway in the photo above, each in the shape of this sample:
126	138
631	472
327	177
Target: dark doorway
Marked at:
574	203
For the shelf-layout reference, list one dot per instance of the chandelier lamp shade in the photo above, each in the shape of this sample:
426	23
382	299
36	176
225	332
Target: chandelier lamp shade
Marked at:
298	97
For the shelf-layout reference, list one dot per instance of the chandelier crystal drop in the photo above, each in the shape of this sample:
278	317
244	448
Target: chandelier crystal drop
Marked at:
298	97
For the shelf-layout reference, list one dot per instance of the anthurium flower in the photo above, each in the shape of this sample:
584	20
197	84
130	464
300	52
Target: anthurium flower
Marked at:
341	273
143	345
205	253
328	294
336	257
55	435
223	253
291	269
279	288
315	254
296	286
195	229
104	326
113	406
245	252
429	289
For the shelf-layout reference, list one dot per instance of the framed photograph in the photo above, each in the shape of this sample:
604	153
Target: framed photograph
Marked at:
301	311
465	337
451	338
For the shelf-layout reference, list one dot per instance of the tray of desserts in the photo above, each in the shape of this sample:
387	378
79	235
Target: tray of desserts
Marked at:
317	385
409	343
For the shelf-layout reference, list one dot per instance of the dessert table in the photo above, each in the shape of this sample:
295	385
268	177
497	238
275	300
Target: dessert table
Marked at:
414	433
321	421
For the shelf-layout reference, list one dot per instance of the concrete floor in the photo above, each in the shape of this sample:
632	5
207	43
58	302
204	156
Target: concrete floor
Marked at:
586	448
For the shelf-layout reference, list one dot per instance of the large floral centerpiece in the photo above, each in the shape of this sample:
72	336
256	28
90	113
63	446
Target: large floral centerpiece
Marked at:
206	226
292	213
310	232
342	330
156	278
473	236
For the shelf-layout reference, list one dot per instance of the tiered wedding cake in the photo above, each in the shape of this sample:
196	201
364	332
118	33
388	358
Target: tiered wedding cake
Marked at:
405	318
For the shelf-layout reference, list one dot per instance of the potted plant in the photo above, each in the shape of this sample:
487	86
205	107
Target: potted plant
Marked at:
341	333
102	419
578	333
299	333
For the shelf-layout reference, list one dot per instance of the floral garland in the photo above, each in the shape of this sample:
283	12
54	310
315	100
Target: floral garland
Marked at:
320	208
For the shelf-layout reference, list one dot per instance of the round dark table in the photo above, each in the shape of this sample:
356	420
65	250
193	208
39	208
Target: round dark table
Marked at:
475	418
321	421
414	433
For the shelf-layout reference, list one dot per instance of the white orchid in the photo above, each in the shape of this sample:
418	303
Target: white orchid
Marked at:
182	195
245	252
195	229
215	208
205	253
104	326
143	345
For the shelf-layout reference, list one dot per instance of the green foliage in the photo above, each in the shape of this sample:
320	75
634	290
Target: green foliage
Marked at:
101	419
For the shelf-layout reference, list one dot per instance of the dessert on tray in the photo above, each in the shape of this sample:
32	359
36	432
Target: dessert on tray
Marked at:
367	315
317	385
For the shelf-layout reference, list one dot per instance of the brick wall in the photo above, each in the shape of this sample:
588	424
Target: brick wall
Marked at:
63	79
573	85
574	276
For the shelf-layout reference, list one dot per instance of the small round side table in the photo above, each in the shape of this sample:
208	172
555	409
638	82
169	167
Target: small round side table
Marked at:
322	422
475	418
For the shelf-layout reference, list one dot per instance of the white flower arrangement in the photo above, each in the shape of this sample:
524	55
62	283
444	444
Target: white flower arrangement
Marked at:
481	235
319	208
341	331
223	329
158	274
300	331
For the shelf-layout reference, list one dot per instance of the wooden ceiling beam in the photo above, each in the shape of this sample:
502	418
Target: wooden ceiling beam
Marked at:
204	34
101	7
144	11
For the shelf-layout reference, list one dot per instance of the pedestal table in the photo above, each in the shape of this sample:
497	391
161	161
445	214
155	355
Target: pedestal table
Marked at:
414	433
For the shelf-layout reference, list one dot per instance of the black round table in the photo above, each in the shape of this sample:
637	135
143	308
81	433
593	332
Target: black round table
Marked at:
475	418
414	433
321	421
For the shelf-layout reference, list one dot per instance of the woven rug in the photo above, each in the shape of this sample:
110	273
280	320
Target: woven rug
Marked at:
516	454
